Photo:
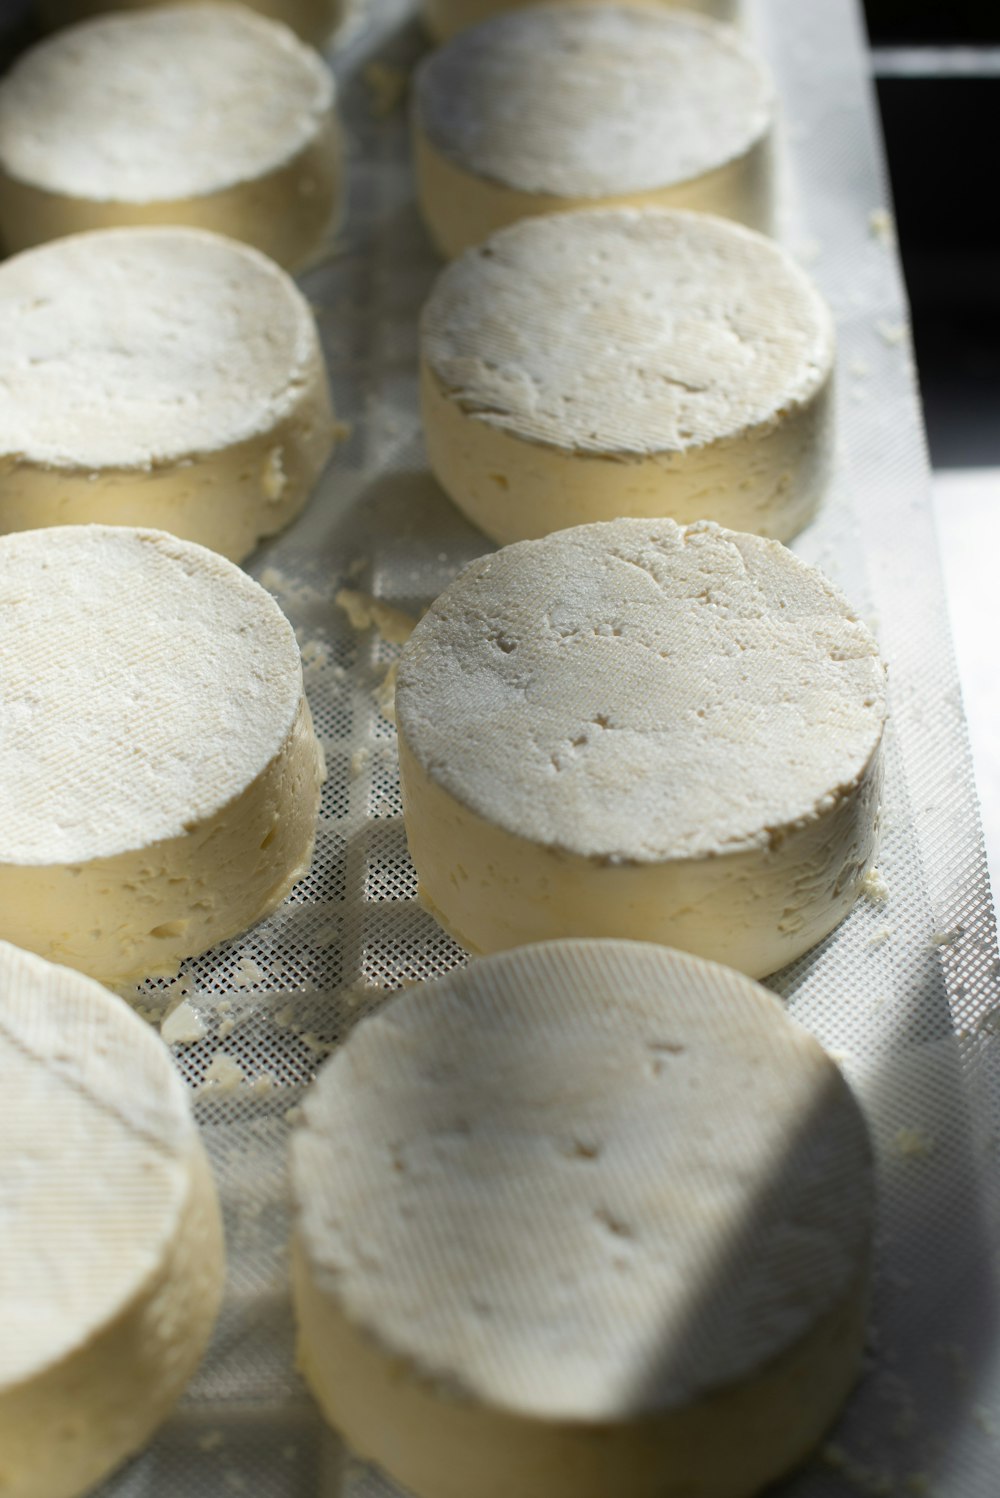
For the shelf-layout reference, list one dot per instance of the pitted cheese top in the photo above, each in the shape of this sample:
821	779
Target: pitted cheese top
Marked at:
583	1180
145	683
593	101
95	1143
134	347
638	691
627	331
161	104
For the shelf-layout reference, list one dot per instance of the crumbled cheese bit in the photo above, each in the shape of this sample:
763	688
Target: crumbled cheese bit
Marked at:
385	695
882	226
386	86
224	1073
882	934
946	938
247	973
315	657
891	333
225	1029
359	759
285	1016
263	1085
874	887
363	611
913	1144
293	1115
182	1026
317	1046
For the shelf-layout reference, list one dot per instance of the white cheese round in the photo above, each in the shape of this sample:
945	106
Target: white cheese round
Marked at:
628	362
205	114
112	1264
560	107
313	20
642	731
159	773
584	1218
160	377
445	18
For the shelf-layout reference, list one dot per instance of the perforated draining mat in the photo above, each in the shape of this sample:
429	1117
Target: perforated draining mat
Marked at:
906	991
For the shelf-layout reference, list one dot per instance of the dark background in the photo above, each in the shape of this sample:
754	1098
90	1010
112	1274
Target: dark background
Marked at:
942	134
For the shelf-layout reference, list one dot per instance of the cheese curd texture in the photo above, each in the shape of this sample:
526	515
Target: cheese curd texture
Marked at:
445	18
584	1218
160	377
559	107
199	114
618	362
644	731
113	1263
158	766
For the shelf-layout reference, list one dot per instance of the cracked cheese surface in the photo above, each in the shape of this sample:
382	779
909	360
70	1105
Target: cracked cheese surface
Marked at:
675	732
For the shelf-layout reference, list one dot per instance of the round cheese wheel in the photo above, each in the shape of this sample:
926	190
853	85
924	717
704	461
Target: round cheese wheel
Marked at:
584	1218
204	114
646	731
112	1265
158	767
622	362
445	18
560	107
161	377
313	20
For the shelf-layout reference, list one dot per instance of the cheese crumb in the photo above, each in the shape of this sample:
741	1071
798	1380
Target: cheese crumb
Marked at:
247	973
363	611
385	695
359	759
182	1026
882	934
874	887
224	1073
891	333
913	1144
882	226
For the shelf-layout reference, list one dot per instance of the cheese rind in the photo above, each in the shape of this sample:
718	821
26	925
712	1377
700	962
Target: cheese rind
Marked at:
585	1217
640	730
113	1260
696	381
160	377
445	18
556	108
157	756
199	114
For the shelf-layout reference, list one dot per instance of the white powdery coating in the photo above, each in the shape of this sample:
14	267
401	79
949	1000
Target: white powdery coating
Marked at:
174	102
146	683
639	691
589	102
95	1145
583	1181
130	348
627	331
